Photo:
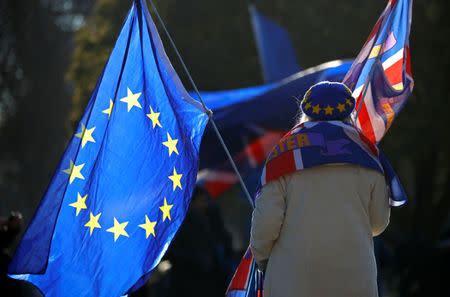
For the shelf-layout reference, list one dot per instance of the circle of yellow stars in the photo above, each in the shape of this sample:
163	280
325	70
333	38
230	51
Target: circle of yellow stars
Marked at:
86	134
328	109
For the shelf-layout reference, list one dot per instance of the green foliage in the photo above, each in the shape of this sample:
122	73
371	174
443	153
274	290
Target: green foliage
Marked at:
93	44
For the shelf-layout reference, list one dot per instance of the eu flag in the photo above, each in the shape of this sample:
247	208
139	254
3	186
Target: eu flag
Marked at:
124	183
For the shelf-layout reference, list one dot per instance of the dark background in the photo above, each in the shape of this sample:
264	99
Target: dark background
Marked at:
52	51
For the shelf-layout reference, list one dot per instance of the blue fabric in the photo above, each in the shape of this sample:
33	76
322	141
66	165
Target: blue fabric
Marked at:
276	52
398	195
124	173
327	101
217	100
334	142
320	143
382	71
252	111
393	30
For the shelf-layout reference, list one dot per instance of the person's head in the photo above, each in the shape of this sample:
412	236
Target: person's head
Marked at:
327	101
9	229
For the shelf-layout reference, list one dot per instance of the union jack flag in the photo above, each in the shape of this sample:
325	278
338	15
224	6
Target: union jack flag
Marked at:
218	180
247	280
381	81
381	77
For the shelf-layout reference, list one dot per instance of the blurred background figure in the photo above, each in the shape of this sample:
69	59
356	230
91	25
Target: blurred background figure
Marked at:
9	230
201	254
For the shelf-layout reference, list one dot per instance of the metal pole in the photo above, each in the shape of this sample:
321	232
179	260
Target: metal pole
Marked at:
208	111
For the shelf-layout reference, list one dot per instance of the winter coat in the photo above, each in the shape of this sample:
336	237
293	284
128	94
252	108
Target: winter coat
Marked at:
312	232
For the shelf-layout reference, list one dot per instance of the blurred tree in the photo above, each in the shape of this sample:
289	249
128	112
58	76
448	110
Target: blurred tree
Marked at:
34	100
93	44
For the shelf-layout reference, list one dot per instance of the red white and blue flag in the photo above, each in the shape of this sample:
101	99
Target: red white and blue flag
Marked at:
381	77
381	81
219	179
318	143
247	280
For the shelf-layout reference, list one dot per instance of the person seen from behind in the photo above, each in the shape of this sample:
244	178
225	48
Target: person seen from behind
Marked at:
323	198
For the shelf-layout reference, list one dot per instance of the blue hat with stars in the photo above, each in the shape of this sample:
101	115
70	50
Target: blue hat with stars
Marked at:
327	101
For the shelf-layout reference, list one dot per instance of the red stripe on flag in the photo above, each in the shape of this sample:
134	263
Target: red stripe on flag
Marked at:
372	146
217	187
281	165
240	278
394	73
258	150
408	61
365	123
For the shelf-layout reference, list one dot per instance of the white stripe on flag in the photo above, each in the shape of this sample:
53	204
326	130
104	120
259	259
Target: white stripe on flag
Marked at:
393	59
396	203
216	175
298	159
357	91
295	130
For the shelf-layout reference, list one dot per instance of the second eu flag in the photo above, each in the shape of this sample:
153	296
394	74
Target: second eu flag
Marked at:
124	183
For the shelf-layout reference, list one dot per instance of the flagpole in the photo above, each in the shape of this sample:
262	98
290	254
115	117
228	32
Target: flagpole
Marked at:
207	110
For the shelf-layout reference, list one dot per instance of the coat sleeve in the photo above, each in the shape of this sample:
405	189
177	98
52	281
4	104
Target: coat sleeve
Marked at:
380	210
267	219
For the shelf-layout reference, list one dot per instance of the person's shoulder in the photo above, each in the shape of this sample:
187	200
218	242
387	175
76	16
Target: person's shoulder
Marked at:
338	170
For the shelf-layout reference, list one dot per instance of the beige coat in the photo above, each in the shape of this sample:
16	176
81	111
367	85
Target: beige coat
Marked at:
313	229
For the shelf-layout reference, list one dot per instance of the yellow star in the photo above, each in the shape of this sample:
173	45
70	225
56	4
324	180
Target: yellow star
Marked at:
74	171
341	107
149	227
166	210
171	144
93	222
176	179
131	100
80	203
118	229
328	110
154	116
316	109
85	135
307	105
349	102
108	111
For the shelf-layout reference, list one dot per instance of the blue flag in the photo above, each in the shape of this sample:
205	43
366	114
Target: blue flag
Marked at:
255	110
124	184
276	52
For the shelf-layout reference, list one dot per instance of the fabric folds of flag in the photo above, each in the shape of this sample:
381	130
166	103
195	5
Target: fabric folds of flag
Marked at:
382	71
247	280
262	115
124	183
219	179
276	51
